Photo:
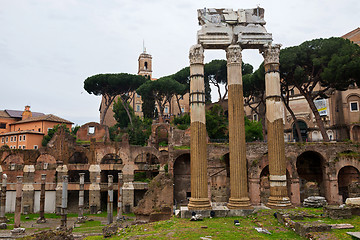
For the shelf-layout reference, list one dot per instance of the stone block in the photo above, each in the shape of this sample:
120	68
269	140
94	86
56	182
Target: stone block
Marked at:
337	212
303	228
353	201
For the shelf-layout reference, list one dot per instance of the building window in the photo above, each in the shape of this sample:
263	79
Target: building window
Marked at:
14	138
23	137
2	140
354	106
11	138
255	117
166	110
24	146
46	165
138	108
2	125
182	109
292	93
39	130
6	139
91	130
35	146
20	138
12	166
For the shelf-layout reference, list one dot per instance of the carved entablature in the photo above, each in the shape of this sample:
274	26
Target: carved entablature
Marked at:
233	54
196	54
223	27
271	54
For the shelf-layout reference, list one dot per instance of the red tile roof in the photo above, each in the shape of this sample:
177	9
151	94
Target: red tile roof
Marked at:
48	117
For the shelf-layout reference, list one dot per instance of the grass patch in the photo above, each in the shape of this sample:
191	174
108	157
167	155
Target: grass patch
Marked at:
181	147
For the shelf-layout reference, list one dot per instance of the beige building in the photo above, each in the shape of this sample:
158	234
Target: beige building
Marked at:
145	69
26	129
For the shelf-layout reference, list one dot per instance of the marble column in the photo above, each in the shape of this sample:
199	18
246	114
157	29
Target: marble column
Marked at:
18	202
3	218
60	172
119	206
64	201
42	200
28	189
275	129
94	189
198	155
110	200
81	198
239	197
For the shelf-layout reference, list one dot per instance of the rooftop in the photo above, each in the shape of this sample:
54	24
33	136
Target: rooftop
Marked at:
48	117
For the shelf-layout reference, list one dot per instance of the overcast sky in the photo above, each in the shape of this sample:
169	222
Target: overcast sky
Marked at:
49	47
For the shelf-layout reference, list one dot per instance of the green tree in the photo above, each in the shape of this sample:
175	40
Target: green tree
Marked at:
216	73
253	130
111	85
51	132
120	113
332	64
162	90
216	123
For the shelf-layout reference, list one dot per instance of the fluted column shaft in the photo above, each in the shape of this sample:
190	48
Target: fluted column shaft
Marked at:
198	162
239	197
3	219
275	129
18	202
81	195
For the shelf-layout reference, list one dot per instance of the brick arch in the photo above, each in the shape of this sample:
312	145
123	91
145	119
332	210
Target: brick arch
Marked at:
46	158
13	158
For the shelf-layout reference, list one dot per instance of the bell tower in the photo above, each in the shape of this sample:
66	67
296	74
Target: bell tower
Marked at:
145	64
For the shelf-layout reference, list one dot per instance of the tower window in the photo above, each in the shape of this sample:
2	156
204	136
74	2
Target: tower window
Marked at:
146	65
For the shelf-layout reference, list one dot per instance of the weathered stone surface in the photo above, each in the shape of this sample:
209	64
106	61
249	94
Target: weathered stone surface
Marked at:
303	228
314	202
157	199
111	229
53	235
341	226
353	201
336	212
3	226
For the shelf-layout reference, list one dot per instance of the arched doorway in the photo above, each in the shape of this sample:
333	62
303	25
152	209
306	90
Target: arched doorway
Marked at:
264	185
310	166
356	133
348	179
182	180
303	130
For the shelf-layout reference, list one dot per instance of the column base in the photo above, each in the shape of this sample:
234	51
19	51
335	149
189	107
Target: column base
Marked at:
239	203
278	202
199	204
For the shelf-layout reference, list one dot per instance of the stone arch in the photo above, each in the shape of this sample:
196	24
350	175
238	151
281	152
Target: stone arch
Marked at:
78	158
147	158
355	133
310	167
348	180
182	178
352	95
46	158
111	158
264	184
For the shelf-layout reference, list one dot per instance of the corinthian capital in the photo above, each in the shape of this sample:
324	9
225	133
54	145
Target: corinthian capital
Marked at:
196	54
233	54
271	53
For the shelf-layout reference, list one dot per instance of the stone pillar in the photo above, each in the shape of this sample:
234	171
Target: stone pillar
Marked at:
128	194
64	201
28	189
119	206
198	155
254	191
94	189
275	129
60	171
110	200
42	200
295	192
3	219
81	198
239	197
18	202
